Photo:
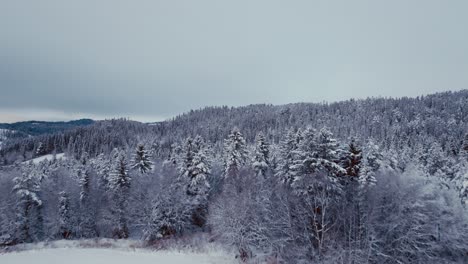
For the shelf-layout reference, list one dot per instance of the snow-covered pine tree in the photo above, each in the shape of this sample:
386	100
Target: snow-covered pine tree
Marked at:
169	216
372	163
120	187
194	169
352	160
102	167
40	150
27	187
287	149
64	222
235	154
87	227
185	163
198	186
261	160
438	163
316	155
316	179
141	160
200	169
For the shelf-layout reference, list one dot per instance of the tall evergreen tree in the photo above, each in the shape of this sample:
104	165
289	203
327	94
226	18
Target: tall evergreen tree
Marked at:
199	170
141	160
27	187
352	160
120	187
316	155
64	222
261	160
287	149
87	226
235	154
194	169
316	180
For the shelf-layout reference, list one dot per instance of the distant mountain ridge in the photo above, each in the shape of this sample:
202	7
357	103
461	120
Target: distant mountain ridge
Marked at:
27	129
35	128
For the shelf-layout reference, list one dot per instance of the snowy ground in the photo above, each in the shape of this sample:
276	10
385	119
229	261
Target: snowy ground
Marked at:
68	253
104	256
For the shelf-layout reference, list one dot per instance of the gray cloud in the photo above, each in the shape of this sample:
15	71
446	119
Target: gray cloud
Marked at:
153	59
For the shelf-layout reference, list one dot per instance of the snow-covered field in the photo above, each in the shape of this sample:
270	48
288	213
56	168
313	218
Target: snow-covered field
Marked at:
63	252
111	256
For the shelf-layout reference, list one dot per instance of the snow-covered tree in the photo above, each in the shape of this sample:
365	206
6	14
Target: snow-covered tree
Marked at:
40	150
316	178
199	170
243	219
65	228
141	160
120	187
288	146
27	188
174	155
235	154
102	167
194	169
352	160
316	156
415	220
87	226
261	160
169	216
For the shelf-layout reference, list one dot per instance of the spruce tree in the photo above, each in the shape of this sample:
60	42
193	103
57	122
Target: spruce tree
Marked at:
141	160
64	221
372	163
120	186
261	160
199	170
287	149
315	179
316	161
26	188
352	160
87	225
235	154
194	169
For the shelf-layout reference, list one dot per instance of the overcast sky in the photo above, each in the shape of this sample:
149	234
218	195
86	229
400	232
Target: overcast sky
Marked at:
150	60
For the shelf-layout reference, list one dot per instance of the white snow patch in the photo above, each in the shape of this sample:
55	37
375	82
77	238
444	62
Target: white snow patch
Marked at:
70	252
111	256
47	157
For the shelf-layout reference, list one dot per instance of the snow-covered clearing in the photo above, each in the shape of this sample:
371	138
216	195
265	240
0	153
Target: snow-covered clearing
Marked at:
79	252
46	157
114	256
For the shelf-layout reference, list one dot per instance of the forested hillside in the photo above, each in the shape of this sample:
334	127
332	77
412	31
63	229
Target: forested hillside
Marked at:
21	130
379	180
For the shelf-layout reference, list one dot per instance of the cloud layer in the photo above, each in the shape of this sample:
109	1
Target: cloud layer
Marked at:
155	59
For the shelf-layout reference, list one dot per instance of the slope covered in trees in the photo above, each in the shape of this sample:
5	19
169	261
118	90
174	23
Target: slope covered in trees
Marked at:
360	181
